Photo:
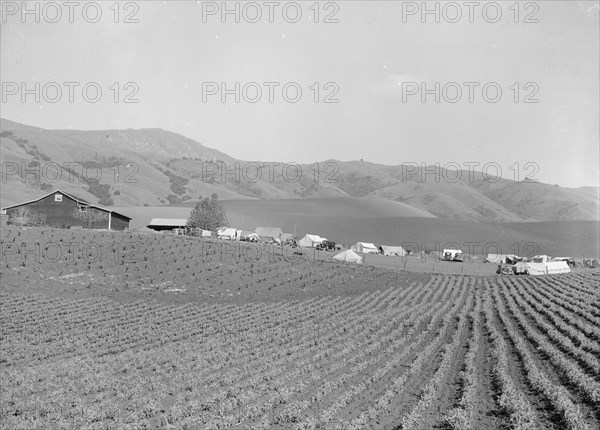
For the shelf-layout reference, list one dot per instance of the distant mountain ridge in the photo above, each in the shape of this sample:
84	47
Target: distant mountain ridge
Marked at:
157	167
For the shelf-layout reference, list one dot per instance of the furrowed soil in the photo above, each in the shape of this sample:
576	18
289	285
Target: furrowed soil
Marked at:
131	330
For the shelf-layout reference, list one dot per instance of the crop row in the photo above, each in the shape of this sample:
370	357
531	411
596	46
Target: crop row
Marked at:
556	394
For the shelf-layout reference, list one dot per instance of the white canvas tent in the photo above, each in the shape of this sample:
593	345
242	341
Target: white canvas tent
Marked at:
348	256
365	247
286	236
548	268
268	232
227	233
397	251
501	258
310	240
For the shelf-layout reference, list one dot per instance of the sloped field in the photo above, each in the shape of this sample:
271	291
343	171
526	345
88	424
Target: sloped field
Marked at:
427	352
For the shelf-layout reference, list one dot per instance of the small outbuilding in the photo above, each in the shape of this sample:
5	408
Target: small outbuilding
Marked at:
169	224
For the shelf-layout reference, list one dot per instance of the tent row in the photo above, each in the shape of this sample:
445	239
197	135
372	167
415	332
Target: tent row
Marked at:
369	248
536	266
260	233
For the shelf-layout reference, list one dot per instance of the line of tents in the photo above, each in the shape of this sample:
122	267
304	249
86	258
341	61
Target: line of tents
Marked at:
310	241
537	265
260	233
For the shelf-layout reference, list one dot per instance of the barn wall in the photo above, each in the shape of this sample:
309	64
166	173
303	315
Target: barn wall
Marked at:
119	222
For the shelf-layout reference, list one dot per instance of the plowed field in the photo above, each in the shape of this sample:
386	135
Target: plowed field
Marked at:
164	337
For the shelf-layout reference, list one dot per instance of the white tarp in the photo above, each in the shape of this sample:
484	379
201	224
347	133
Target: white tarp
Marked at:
365	247
501	258
310	240
393	250
349	256
548	268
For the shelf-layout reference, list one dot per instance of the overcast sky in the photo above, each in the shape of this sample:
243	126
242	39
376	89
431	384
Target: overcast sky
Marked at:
373	54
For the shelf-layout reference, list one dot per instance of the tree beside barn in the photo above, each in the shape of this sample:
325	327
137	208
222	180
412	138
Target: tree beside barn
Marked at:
209	214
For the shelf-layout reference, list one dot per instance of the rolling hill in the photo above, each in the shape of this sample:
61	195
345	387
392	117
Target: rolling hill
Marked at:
155	167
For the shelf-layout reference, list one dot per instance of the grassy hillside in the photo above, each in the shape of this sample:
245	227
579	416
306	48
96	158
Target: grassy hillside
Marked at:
156	167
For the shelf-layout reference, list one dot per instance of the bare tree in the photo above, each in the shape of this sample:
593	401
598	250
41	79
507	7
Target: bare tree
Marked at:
26	216
90	216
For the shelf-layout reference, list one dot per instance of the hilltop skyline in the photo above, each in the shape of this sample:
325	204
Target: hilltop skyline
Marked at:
372	60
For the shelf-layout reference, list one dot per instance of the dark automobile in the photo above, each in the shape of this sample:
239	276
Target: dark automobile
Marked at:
291	242
326	245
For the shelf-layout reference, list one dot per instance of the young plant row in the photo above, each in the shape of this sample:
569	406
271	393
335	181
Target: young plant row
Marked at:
572	371
461	417
557	395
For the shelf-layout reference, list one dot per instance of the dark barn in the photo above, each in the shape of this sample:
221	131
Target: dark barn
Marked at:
58	207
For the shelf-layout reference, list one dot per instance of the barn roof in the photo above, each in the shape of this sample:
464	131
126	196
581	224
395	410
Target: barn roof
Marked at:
168	222
72	197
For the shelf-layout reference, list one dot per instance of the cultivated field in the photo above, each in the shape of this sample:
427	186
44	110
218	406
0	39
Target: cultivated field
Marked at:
166	332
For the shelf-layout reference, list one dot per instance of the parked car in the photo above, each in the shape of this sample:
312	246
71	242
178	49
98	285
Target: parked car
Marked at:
326	245
458	257
291	242
249	239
